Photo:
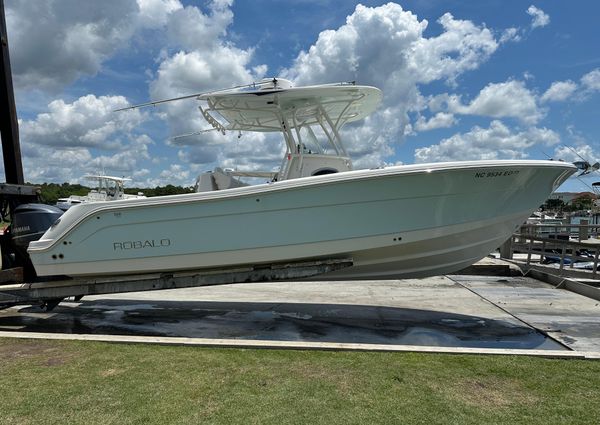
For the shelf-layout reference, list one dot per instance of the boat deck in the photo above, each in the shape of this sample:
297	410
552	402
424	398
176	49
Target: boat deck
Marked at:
457	313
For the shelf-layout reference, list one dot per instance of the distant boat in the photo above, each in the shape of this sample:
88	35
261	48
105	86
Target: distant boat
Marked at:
107	188
538	217
392	222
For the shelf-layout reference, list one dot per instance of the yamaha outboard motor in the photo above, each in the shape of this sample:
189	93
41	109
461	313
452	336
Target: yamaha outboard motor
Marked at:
30	222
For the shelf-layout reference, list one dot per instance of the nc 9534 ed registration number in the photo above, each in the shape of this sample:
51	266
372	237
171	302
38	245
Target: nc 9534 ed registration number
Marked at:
499	173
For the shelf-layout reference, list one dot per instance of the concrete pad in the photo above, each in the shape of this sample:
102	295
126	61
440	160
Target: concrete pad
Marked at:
570	318
432	312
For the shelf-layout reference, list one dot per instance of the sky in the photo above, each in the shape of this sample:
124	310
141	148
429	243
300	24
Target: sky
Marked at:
461	80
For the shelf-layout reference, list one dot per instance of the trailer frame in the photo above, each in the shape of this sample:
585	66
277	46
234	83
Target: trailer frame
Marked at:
49	294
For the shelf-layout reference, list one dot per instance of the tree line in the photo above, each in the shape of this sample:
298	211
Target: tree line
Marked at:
51	192
583	202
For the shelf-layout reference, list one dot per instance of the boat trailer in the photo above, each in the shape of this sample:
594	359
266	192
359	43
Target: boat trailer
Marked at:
48	294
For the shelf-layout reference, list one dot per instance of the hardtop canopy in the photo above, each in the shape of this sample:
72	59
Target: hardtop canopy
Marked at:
274	109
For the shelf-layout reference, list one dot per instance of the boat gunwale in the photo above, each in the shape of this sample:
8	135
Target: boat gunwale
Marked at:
333	178
287	185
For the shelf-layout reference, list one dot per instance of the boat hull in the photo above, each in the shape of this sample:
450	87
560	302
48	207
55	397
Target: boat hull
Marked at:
407	221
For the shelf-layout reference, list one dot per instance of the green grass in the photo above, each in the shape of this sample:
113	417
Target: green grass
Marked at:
57	382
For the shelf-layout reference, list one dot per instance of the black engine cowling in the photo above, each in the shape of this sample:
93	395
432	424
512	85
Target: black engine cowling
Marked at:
30	222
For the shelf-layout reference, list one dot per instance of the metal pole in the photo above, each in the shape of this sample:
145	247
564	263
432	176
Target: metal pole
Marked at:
583	230
543	252
9	127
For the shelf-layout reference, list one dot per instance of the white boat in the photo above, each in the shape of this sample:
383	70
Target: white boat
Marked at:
107	188
392	222
538	217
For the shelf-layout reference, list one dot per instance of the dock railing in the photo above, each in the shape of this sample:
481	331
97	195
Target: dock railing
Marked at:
568	245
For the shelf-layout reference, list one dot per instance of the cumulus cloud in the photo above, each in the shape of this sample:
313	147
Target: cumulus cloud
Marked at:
591	80
58	144
44	164
56	42
495	142
176	174
539	18
386	47
501	100
462	47
559	91
87	122
202	59
71	164
510	99
362	48
126	160
196	57
439	120
510	34
190	29
154	13
517	34
578	152
53	43
357	50
191	72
